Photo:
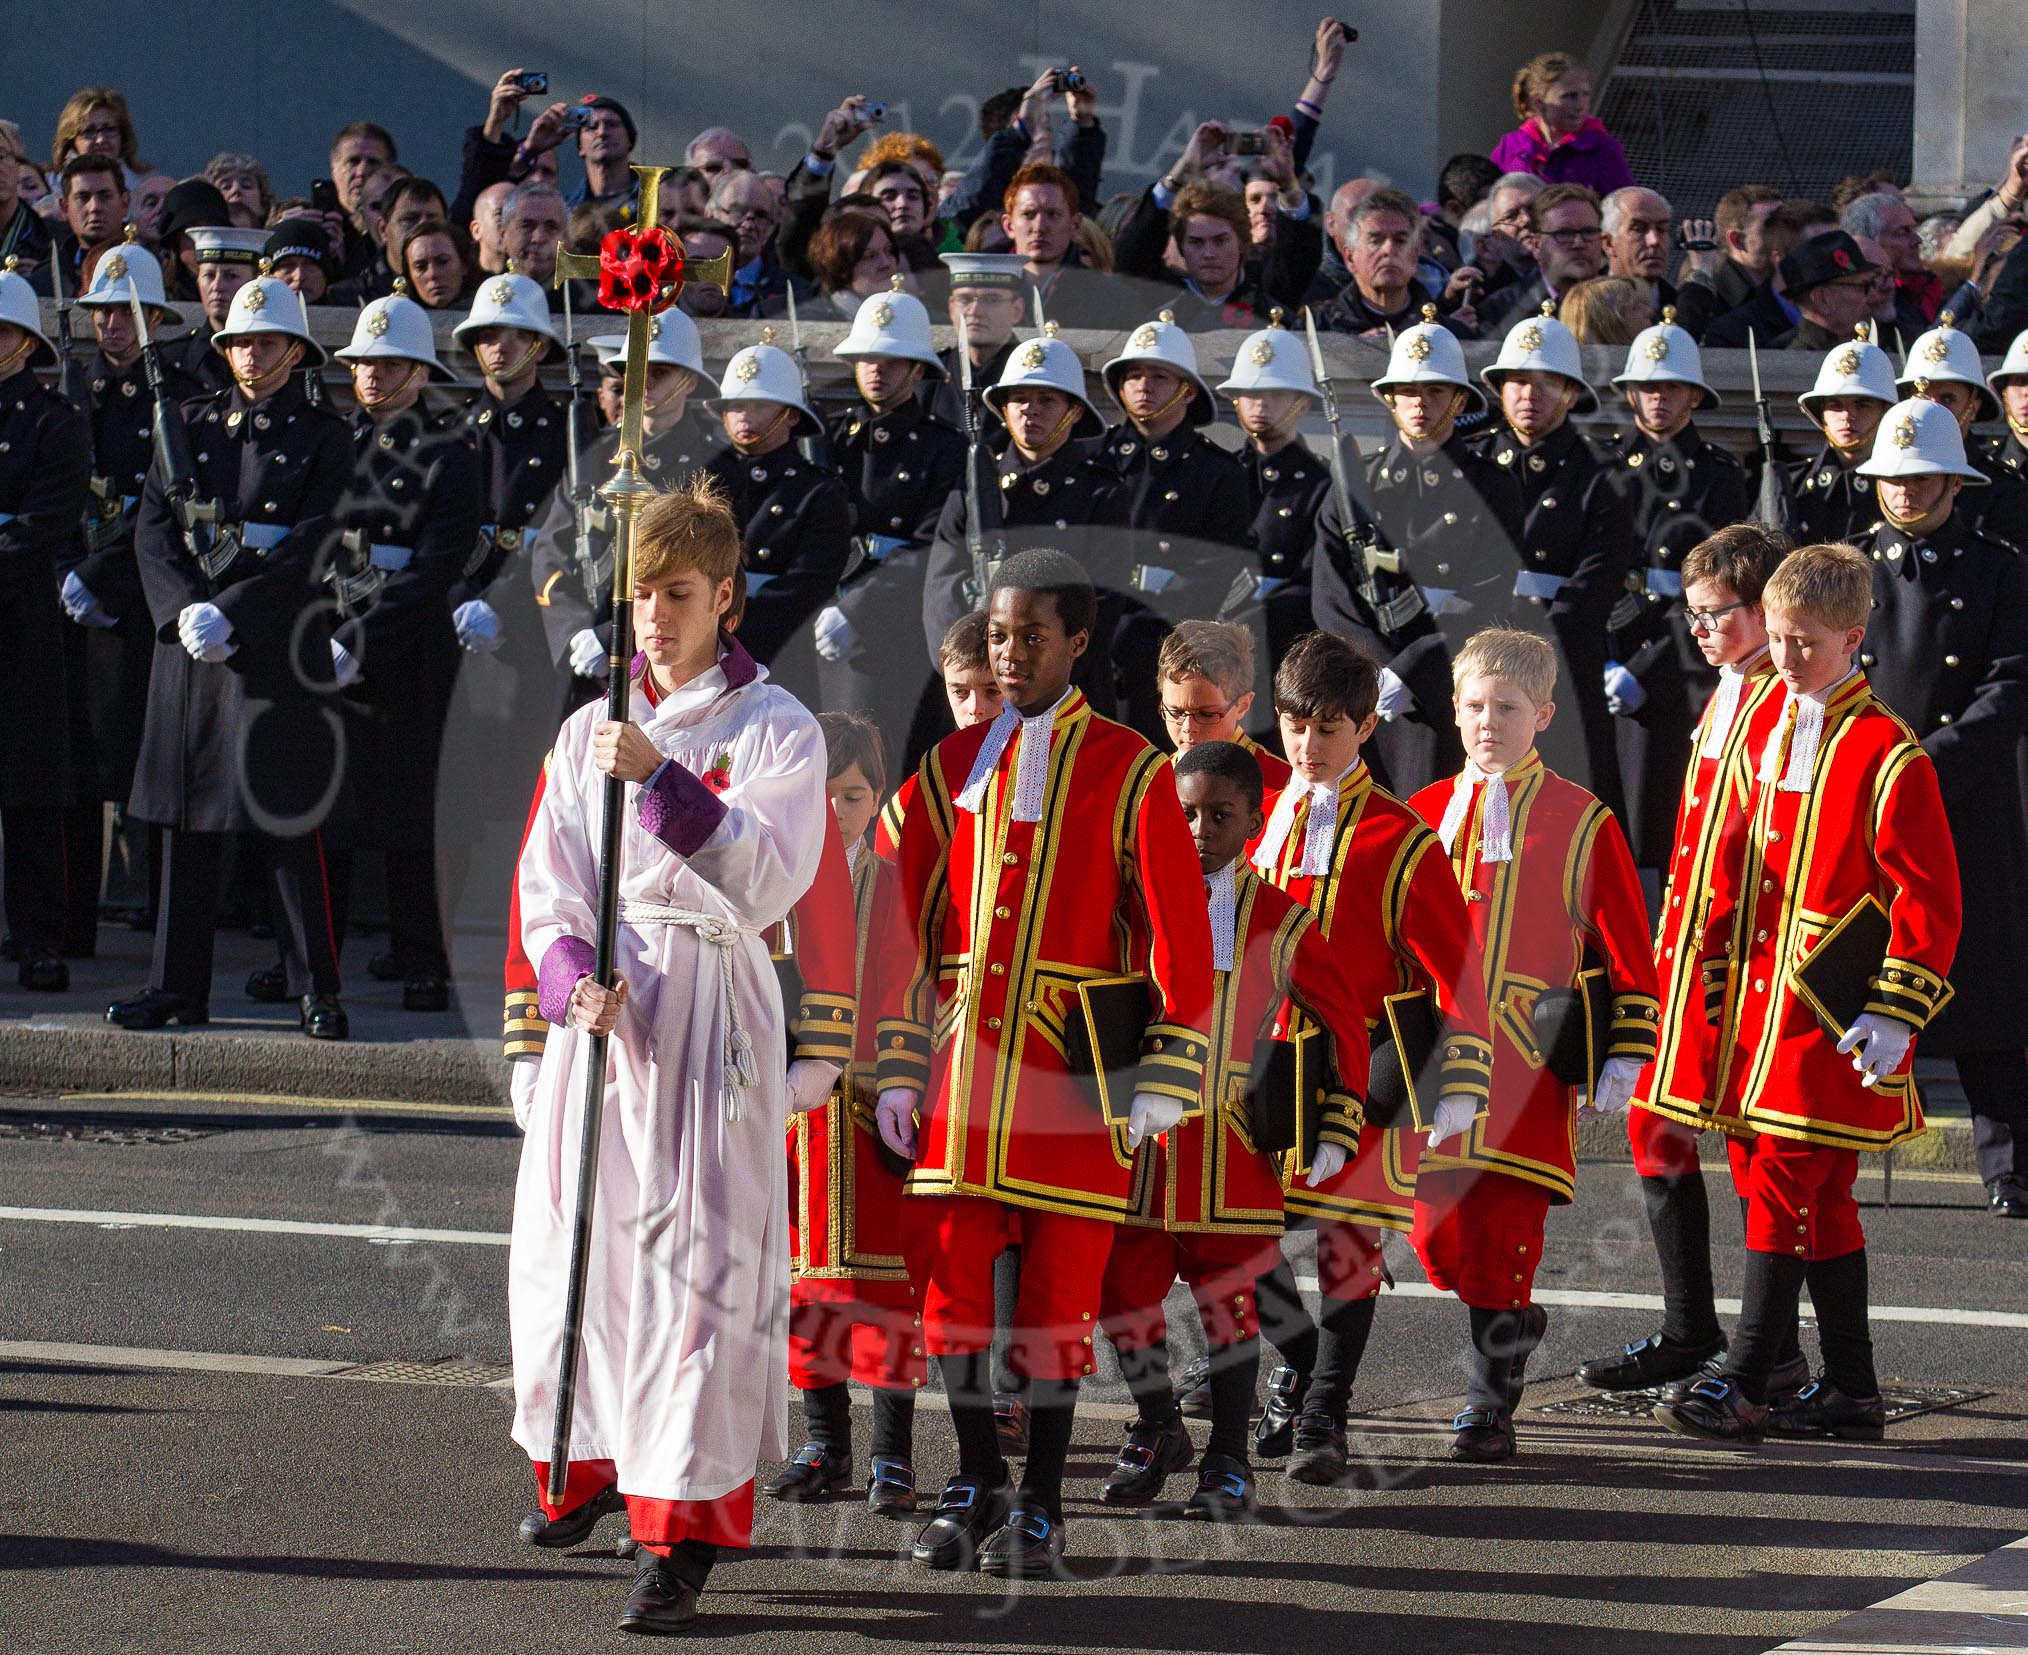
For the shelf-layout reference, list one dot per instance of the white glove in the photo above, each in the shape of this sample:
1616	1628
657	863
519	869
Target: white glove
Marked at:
587	654
835	637
521	1076
478	625
81	606
894	1114
1624	695
1454	1117
810	1083
1395	698
1327	1163
1615	1090
205	632
343	667
1883	1044
1151	1114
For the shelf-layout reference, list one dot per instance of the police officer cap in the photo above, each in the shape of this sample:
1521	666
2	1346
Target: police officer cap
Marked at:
1945	355
1860	369
193	202
767	373
395	328
266	305
1048	364
228	244
509	301
1273	359
300	238
2015	366
1919	438
121	274
1543	345
1005	270
673	342
893	324
19	305
1162	344
1429	354
1666	355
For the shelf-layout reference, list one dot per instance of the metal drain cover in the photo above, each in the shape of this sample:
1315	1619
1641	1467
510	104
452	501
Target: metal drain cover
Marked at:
96	1132
449	1371
1903	1402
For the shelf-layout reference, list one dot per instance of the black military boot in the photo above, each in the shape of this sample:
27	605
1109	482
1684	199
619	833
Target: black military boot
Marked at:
157	1008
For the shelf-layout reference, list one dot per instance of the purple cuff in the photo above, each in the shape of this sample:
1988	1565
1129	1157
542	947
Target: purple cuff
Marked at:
568	959
680	810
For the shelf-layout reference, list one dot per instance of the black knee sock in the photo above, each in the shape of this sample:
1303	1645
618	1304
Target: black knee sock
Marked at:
1679	1218
1838	1290
1495	1334
1234	1371
894	1425
971	1398
1052	1409
1788	1343
690	1561
1774	1281
827	1411
1006	1296
1285	1320
1146	1373
1340	1346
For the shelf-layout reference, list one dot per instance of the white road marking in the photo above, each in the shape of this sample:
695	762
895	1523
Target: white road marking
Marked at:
185	1361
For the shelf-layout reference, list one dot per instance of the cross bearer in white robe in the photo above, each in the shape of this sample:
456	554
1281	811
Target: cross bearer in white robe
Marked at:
683	1386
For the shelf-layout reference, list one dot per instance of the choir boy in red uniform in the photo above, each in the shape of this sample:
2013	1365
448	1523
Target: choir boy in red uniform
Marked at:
1204	677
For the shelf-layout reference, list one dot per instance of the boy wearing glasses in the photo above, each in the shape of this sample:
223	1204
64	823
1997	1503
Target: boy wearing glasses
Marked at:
1204	682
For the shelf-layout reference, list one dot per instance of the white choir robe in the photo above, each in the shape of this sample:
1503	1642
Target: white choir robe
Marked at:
683	1383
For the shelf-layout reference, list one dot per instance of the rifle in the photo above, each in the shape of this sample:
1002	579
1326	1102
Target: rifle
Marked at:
313	380
197	518
103	510
592	570
1772	508
975	497
1371	559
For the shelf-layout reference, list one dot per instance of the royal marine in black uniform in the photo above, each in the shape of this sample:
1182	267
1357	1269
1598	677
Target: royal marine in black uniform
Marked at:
242	734
1947	649
573	584
899	465
227	259
2008	454
792	512
1682	489
1043	486
1832	499
988	299
1577	538
1943	365
45	480
1273	391
407	525
1432	557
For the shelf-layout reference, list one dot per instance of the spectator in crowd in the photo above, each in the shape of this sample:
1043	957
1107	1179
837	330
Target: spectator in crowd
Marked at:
1830	281
299	252
1883	217
393	214
2002	202
491	158
685	193
1041	219
93	191
1855	184
1300	126
852	256
1225	284
532	221
1637	225
146	212
193	204
605	144
1568	236
1503	250
741	200
359	151
1466	180
705	239
1559	137
23	234
243	181
484	228
1078	152
1607	310
433	263
1745	260
1336	270
716	151
1382	234
1767	311
95	122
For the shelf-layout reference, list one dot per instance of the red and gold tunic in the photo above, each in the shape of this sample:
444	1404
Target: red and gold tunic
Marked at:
1870	824
1204	1174
1568	890
1274	772
525	1029
1396	920
1012	916
845	1215
1678	1085
821	941
887	831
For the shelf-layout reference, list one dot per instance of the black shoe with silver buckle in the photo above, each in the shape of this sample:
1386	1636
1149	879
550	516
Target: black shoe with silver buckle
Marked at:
1028	1546
814	1474
1483	1436
1822	1410
967	1513
574	1527
1275	1433
1224	1490
1655	1360
1717	1411
1145	1460
890	1487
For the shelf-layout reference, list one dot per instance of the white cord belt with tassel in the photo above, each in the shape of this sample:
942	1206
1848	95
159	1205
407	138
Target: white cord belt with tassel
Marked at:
742	1075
